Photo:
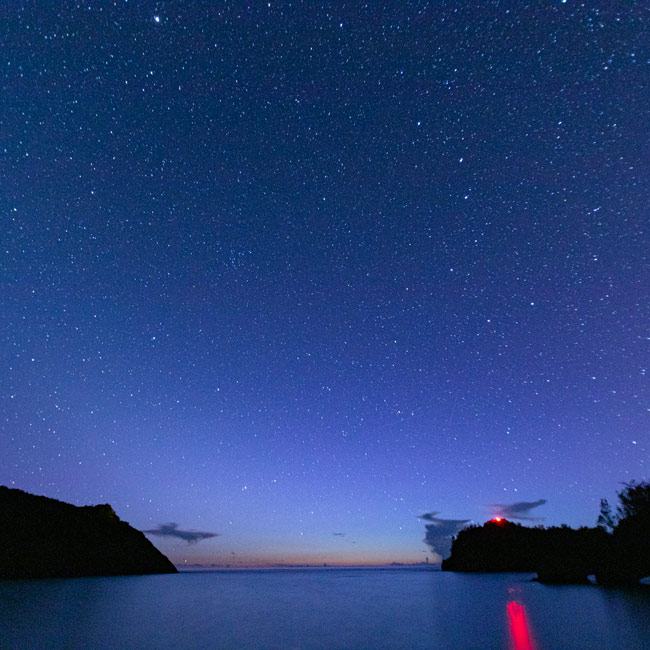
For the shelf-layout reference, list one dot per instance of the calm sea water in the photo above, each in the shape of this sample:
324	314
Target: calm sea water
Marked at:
346	609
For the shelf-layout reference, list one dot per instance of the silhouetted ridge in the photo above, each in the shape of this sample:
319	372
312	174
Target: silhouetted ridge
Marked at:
46	538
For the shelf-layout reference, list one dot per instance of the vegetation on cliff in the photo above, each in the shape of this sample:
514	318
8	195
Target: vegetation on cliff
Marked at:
46	538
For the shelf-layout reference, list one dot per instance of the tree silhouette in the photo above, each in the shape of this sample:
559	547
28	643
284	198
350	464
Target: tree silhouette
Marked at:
628	556
606	518
634	501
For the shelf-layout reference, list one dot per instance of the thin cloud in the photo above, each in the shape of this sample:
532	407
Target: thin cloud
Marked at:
172	530
439	532
519	510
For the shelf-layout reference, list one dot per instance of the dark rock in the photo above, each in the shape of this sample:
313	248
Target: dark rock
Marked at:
617	576
46	538
622	567
559	573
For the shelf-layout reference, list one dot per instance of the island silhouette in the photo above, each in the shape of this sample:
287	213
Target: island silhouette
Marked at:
616	552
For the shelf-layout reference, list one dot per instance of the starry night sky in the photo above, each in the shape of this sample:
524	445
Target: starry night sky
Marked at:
299	272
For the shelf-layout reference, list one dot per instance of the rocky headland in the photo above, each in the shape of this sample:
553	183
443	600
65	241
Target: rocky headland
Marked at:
45	538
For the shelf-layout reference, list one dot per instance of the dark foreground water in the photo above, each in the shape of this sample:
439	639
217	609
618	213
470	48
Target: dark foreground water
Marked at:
352	608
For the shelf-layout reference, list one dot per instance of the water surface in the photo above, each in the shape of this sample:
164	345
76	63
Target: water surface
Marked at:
319	609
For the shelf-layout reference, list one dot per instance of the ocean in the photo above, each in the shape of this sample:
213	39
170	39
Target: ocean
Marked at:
320	609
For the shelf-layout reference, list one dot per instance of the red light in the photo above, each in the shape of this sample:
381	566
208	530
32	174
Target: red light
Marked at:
519	632
497	519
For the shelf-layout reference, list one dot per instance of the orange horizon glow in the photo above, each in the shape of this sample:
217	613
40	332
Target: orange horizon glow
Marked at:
314	559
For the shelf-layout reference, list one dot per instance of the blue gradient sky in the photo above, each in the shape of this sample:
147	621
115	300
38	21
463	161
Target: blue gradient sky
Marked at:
283	270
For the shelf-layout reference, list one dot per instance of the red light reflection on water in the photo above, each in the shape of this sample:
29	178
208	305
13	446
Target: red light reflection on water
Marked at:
519	631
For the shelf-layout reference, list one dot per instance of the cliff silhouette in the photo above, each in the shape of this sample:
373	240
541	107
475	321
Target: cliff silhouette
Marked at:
617	552
46	538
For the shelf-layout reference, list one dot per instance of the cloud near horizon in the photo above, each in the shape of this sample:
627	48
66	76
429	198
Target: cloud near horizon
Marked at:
440	532
519	510
172	530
